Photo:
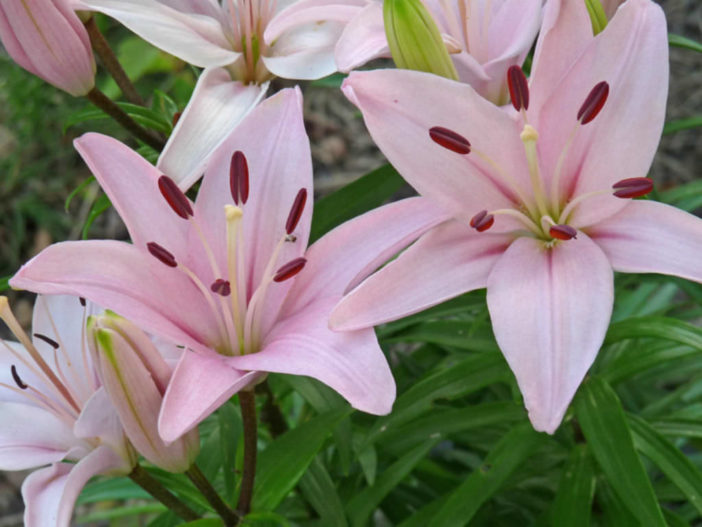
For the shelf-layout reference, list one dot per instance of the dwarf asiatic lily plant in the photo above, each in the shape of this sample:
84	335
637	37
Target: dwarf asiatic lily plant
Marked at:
541	199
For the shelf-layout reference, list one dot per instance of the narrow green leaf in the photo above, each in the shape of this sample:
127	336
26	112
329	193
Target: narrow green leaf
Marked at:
76	190
284	462
604	424
99	207
615	513
636	360
320	491
673	427
204	522
507	455
364	194
368	459
229	432
361	506
682	124
111	489
673	463
683	42
114	513
331	81
143	116
573	501
655	327
446	333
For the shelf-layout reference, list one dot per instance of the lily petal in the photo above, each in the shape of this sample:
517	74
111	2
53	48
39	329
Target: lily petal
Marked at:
50	494
550	309
449	260
304	12
651	237
216	107
363	39
196	39
201	383
400	107
351	363
125	279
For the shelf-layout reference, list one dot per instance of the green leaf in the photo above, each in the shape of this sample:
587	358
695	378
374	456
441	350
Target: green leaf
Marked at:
76	191
143	116
673	463
364	194
318	487
5	282
229	432
683	42
279	469
204	522
682	124
99	207
114	513
507	455
605	427
331	81
655	327
446	333
361	506
111	489
573	501
673	427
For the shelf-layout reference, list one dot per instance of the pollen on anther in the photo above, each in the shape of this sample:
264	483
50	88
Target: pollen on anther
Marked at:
161	254
482	221
633	187
449	139
518	88
51	342
175	197
18	380
593	102
296	211
290	269
562	232
221	287
239	178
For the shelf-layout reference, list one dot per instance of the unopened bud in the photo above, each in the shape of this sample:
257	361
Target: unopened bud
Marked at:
598	17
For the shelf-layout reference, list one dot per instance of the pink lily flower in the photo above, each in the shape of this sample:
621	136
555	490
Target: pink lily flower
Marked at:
49	40
540	198
486	37
228	276
242	44
55	412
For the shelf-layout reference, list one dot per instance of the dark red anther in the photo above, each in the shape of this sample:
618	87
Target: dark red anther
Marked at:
289	270
239	177
296	211
17	378
175	197
633	187
562	232
593	102
81	300
518	88
51	342
161	254
449	139
482	221
221	287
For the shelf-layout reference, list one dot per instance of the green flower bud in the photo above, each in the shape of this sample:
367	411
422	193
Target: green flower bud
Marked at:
598	17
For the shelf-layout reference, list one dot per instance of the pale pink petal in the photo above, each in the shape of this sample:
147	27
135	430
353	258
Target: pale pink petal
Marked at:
131	183
344	256
197	39
550	309
611	6
621	141
12	354
400	107
201	383
31	436
216	107
306	53
363	39
305	12
50	494
351	363
449	260
127	280
650	237
210	8
48	39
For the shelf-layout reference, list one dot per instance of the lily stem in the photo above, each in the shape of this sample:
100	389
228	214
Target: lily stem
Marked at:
109	60
225	512
247	400
151	485
270	413
108	106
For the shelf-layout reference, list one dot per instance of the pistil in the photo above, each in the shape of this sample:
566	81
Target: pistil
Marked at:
529	137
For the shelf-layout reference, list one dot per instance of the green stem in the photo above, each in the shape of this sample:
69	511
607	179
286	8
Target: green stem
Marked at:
109	60
247	400
270	413
195	475
108	106
147	482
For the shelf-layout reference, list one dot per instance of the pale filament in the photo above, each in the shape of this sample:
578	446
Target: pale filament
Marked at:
529	137
556	181
577	201
43	401
521	217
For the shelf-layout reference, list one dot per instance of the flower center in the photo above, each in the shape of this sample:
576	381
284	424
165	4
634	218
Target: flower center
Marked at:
249	19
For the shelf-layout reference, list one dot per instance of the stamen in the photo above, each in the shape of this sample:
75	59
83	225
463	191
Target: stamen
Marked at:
633	187
17	378
161	254
482	221
449	139
239	177
593	102
562	232
81	300
296	211
221	287
518	88
175	197
290	269
49	341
